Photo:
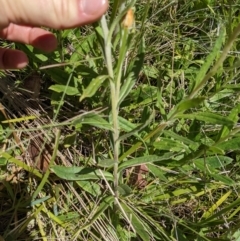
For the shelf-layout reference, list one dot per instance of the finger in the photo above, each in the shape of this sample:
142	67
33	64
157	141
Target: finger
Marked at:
12	59
58	14
36	37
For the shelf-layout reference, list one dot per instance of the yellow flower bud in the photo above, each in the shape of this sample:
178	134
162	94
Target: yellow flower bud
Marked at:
128	19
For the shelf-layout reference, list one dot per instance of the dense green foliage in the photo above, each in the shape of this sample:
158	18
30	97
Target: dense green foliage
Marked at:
142	122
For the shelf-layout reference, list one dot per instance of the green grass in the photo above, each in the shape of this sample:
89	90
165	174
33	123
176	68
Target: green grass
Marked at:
134	135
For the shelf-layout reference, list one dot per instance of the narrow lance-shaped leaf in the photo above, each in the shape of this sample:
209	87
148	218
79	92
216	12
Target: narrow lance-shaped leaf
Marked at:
92	119
93	87
187	104
210	58
144	160
139	225
234	117
207	117
126	87
80	173
138	128
69	90
169	144
232	144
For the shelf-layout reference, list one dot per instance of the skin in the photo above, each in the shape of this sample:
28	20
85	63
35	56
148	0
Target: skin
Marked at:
21	21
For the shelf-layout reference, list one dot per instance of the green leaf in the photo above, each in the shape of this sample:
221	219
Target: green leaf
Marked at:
208	118
80	173
105	203
221	94
69	140
138	128
68	90
3	161
170	145
188	104
210	58
106	163
139	60
224	179
90	187
124	190
92	119
234	117
212	162
125	124
233	205
144	160
157	172
139	225
126	87
93	87
180	138
69	216
233	144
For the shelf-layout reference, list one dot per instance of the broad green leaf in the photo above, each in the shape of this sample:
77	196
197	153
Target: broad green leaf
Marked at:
93	87
106	163
139	225
169	145
92	119
188	104
69	216
180	138
68	90
220	95
157	172
213	162
224	179
144	160
124	190
90	187
80	173
232	144
207	117
216	150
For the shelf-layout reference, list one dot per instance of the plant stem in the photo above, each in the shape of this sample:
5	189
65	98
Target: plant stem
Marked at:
114	101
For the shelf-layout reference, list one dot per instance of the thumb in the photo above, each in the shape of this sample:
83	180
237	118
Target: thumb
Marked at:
58	14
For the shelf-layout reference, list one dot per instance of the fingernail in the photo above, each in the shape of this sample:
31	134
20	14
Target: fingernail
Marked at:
92	7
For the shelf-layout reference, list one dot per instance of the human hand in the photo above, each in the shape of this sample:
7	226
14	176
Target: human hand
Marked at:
21	20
